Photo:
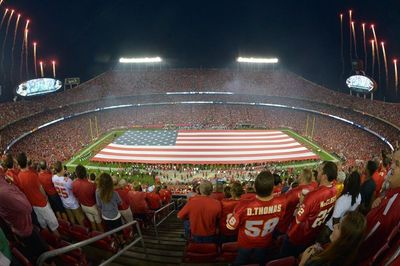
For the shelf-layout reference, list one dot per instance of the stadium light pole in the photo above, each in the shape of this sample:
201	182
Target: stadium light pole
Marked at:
259	61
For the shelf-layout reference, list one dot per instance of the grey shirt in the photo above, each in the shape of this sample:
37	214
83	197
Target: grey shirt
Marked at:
109	210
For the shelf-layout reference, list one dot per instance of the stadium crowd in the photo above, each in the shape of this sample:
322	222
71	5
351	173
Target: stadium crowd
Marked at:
323	216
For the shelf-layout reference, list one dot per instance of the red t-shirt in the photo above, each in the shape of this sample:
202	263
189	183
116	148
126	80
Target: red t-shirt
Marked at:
137	201
277	190
45	178
154	200
379	178
292	200
28	183
314	184
381	221
165	195
256	220
312	214
13	173
123	194
228	205
217	195
246	196
203	213
84	191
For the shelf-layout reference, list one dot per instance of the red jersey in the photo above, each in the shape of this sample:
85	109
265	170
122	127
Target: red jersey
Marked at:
292	201
246	196
28	183
154	200
217	195
203	213
84	191
123	194
165	195
256	220
314	184
45	179
13	173
381	221
277	190
312	214
137	201
228	205
379	178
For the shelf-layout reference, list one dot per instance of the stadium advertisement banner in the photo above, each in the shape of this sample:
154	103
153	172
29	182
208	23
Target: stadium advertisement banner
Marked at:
360	83
39	86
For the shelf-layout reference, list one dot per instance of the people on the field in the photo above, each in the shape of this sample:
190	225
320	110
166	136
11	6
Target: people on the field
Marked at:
85	193
202	213
256	219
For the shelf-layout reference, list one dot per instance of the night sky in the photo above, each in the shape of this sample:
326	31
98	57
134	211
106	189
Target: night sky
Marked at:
87	37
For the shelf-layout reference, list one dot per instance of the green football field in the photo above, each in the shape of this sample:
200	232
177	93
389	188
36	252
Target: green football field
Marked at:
83	157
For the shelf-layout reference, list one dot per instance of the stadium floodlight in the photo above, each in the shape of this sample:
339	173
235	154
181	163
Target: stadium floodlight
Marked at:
254	60
140	60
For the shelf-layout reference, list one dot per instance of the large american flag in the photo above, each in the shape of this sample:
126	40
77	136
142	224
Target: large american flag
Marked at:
204	147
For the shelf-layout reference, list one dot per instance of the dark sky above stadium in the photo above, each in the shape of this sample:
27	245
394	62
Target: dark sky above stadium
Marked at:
87	37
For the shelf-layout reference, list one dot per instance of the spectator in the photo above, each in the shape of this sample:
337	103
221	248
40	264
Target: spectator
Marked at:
138	203
45	179
292	198
193	192
382	219
28	183
347	202
202	212
92	177
228	204
85	193
10	168
154	199
227	192
379	177
250	192
346	239
312	212
63	185
165	194
108	200
256	220
16	210
218	193
368	187
277	185
124	208
340	182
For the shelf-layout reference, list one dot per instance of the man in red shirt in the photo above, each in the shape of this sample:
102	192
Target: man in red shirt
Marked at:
386	215
11	171
124	208
138	203
203	213
85	192
256	220
28	183
165	195
312	213
228	205
293	197
218	193
45	177
154	199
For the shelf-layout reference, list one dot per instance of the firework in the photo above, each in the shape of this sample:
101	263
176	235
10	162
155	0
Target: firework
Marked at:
385	62
41	69
5	40
341	43
365	47
54	68
350	37
4	17
354	39
373	57
13	46
34	57
377	53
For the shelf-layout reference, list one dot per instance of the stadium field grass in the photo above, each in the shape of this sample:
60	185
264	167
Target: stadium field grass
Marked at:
83	157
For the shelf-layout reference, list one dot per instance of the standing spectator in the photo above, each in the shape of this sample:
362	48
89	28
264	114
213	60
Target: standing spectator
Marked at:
108	200
277	185
250	192
16	210
218	193
154	199
28	183
346	240
386	215
312	213
348	201
256	220
340	182
228	204
63	185
85	193
45	179
202	212
293	198
10	168
138	203
124	208
379	177
165	194
368	187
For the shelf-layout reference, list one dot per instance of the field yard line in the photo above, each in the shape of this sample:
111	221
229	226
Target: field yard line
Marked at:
70	163
312	144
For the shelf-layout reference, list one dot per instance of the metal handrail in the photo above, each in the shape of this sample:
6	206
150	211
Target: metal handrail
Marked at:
155	224
179	205
56	252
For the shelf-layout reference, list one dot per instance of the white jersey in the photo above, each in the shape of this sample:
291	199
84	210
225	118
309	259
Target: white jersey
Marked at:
343	205
63	186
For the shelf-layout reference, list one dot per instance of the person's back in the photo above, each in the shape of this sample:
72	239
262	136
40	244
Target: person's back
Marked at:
63	186
368	187
153	200
137	200
45	178
165	195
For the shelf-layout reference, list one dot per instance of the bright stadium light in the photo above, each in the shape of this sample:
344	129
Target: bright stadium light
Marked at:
257	60
140	60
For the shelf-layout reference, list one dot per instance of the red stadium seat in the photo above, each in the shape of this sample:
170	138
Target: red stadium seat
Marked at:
107	243
288	261
201	253
228	251
50	238
21	258
79	232
74	257
64	228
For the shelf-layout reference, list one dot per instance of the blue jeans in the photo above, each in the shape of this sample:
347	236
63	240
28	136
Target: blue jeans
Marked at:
186	226
245	256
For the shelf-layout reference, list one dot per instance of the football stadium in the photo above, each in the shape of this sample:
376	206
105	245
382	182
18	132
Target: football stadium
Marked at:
122	150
